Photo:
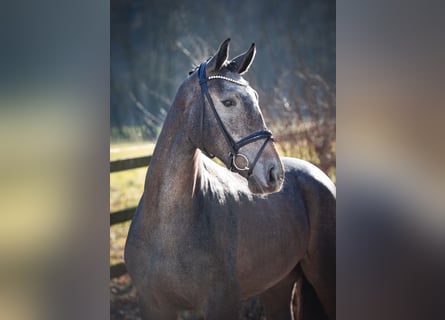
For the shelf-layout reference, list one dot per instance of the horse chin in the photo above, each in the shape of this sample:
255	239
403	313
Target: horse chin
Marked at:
255	186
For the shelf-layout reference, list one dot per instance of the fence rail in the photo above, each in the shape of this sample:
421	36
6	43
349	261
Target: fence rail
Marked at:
127	164
124	215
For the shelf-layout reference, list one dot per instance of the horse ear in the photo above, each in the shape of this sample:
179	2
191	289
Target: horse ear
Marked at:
219	59
242	63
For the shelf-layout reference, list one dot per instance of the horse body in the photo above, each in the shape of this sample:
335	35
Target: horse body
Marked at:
276	223
201	241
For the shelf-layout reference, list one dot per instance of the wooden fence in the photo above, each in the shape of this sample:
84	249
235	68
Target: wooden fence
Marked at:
125	214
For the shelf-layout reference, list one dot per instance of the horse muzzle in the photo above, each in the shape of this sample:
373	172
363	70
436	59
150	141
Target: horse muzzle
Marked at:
267	177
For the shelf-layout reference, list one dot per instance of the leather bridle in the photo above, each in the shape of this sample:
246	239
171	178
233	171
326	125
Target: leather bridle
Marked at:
238	161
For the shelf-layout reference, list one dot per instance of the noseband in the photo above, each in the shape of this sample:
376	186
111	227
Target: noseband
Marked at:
238	161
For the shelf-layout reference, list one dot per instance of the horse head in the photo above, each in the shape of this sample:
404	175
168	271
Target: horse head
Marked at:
225	120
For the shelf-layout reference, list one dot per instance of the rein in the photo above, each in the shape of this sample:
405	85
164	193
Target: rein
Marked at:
237	160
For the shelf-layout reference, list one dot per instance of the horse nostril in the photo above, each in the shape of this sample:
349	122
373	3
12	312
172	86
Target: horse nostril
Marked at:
273	175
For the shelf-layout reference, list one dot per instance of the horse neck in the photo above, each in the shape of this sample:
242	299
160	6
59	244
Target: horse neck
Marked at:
174	166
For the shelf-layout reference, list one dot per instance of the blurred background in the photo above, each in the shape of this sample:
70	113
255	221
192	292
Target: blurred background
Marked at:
154	44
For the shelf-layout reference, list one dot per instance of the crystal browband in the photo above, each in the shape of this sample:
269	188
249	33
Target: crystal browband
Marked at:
228	79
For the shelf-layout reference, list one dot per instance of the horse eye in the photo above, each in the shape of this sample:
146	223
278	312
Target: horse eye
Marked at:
228	103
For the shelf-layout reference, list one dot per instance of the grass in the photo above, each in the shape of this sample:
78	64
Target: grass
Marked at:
125	191
129	150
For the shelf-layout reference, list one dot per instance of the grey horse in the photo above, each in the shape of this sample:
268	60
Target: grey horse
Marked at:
205	237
